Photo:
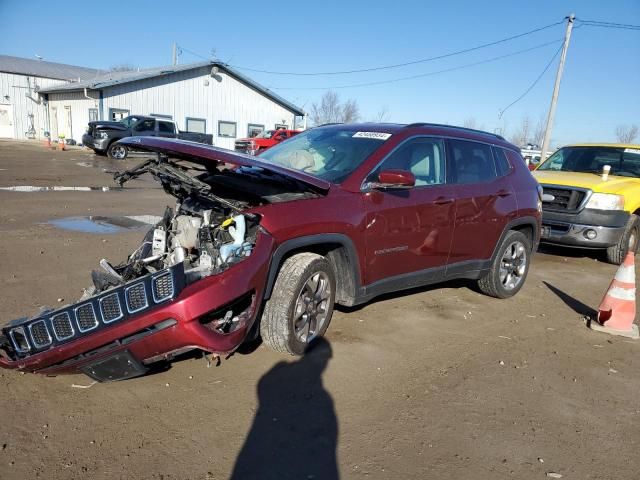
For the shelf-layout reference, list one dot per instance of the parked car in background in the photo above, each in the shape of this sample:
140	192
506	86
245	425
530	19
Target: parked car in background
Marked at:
592	198
263	141
267	245
101	136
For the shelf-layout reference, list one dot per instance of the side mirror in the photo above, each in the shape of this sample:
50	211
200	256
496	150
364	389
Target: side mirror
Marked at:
393	180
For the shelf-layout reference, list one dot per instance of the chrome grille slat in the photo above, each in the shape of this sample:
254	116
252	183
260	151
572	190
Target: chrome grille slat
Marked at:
86	317
162	287
110	308
40	335
62	326
566	199
136	297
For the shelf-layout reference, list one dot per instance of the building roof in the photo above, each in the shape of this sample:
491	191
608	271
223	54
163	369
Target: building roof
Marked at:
42	68
110	79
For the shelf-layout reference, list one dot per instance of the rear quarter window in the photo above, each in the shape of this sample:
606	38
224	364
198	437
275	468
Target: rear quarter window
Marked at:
503	167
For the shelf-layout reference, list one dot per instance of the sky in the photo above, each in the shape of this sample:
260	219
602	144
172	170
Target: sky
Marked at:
599	90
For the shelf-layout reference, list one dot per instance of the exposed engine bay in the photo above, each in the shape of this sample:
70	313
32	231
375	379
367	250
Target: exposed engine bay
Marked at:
207	242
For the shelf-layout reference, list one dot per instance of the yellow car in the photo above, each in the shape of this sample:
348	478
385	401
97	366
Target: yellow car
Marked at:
591	198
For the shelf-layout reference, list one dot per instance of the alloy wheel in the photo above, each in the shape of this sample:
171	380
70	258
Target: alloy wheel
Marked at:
311	308
513	265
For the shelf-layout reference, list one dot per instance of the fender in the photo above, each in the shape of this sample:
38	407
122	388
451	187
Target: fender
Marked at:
313	240
518	222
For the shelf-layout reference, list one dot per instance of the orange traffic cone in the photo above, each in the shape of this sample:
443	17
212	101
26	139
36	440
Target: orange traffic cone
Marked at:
61	143
617	311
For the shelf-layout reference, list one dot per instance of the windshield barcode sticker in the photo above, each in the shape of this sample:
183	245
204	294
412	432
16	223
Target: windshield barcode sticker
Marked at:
374	135
632	150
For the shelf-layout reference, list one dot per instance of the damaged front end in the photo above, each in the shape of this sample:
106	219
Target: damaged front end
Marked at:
195	281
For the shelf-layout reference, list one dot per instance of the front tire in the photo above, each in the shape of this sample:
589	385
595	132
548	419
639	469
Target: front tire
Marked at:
117	151
301	305
509	268
628	242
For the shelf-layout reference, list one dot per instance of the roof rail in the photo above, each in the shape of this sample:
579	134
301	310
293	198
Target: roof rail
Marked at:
473	130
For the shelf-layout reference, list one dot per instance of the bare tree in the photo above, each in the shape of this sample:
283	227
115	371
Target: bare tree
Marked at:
350	111
626	133
122	67
470	122
521	136
538	132
382	115
330	110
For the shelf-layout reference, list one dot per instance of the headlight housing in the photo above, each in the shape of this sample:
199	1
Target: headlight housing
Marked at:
100	135
606	201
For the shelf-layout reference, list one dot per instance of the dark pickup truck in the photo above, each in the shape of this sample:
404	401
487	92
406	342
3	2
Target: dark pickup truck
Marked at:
102	137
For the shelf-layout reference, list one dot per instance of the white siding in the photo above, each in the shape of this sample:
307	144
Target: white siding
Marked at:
79	106
186	94
14	90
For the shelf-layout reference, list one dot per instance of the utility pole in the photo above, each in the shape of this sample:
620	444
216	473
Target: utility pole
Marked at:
556	88
174	57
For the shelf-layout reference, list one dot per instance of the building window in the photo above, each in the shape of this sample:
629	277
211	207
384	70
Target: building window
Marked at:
160	115
197	125
254	130
117	114
227	129
282	125
93	114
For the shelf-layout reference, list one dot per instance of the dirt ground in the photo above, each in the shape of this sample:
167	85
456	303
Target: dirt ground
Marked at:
439	383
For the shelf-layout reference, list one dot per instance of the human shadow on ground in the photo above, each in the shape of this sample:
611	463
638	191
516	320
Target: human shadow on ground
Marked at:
573	303
295	430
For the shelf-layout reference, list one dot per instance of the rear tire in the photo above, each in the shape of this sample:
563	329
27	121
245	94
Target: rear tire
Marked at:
509	267
301	304
628	242
117	151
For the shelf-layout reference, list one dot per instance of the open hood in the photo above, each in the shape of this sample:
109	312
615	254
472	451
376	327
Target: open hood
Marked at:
205	154
109	125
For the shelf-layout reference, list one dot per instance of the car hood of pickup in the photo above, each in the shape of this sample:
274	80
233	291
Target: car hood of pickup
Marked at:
591	181
108	125
205	154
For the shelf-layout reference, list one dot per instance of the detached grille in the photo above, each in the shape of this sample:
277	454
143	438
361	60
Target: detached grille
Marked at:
565	199
62	327
86	317
162	287
30	336
136	298
40	334
110	308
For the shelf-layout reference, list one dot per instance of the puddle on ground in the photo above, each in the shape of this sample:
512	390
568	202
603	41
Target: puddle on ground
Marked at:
33	188
105	225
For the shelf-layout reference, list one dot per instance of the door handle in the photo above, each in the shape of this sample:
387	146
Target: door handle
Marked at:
501	193
442	201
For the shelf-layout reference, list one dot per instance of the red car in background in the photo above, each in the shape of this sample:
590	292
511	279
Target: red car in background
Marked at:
267	245
263	141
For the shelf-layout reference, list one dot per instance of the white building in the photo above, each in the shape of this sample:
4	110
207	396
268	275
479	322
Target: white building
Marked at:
208	97
23	112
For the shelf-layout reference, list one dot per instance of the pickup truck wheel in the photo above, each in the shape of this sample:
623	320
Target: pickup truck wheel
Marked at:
301	304
509	268
628	242
117	151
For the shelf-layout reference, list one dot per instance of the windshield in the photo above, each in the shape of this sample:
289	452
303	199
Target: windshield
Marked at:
128	121
624	162
266	134
328	153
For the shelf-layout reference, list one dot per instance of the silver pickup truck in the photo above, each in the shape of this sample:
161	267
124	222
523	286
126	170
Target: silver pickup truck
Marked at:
102	136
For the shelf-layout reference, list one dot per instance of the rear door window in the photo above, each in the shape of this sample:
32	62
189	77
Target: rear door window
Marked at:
472	162
166	127
503	167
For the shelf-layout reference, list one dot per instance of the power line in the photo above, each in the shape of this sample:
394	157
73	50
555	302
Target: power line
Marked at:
398	65
533	84
598	23
428	74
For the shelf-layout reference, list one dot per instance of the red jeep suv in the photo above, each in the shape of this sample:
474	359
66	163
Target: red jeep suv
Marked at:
267	245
